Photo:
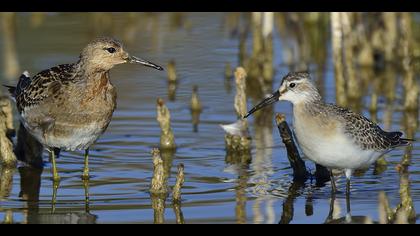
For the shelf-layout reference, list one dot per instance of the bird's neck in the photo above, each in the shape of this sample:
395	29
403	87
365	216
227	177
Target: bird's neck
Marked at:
309	107
90	70
90	78
96	84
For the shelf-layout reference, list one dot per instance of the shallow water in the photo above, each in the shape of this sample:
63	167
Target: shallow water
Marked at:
120	162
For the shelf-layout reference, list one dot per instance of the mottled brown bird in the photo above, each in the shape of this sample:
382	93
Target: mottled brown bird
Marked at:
70	106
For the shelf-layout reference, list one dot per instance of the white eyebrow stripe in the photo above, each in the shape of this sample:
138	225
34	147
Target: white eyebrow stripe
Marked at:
295	81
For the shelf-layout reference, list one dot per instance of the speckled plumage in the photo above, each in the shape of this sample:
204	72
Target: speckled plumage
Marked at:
329	135
69	106
365	133
46	84
64	108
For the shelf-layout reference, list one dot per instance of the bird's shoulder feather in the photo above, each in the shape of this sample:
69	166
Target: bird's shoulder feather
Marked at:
45	84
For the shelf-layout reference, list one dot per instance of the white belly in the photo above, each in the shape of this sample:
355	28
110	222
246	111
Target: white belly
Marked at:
76	139
80	139
332	149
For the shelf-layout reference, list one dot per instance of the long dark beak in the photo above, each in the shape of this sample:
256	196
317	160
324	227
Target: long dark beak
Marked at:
268	101
135	60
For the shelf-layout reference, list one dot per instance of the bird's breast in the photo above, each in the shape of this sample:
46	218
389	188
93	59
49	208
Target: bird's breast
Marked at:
99	93
323	140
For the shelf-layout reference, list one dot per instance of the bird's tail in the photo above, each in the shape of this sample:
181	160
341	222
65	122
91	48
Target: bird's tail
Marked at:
11	89
396	139
406	141
24	80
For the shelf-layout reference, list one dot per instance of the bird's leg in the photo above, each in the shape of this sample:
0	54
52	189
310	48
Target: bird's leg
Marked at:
56	177
331	212
85	175
86	186
333	192
333	186
54	196
348	177
348	194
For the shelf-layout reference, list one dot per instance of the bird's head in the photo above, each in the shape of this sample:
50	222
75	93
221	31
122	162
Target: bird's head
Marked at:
296	87
104	53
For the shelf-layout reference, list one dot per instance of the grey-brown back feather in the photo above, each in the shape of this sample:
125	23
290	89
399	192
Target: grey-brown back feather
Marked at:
366	133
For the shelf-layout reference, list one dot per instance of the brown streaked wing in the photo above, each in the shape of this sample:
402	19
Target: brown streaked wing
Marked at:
45	84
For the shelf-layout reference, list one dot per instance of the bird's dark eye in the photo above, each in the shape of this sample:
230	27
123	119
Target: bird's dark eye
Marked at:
111	50
292	85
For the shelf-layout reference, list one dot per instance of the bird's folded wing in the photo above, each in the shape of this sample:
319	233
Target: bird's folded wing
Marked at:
42	86
367	134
